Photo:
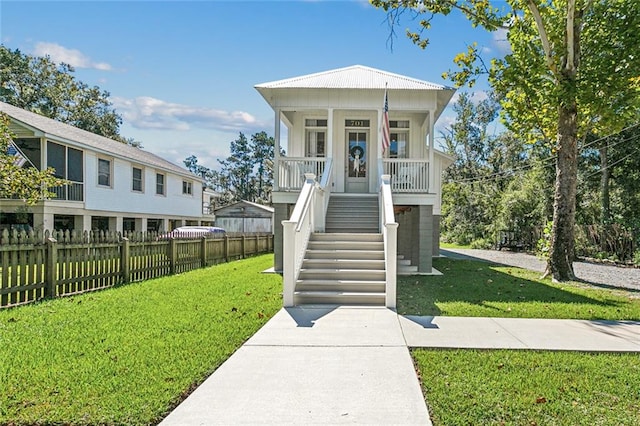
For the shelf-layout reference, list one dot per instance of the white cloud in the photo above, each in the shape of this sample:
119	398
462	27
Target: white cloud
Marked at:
145	112
72	57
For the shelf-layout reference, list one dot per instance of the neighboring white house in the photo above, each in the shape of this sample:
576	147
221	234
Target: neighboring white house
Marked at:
245	217
113	187
335	173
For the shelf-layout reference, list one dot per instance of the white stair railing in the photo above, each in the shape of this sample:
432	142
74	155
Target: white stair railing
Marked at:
390	233
307	217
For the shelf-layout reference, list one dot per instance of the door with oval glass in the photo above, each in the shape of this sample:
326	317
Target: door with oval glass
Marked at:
356	177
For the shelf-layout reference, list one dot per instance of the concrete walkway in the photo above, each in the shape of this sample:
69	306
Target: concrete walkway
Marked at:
352	364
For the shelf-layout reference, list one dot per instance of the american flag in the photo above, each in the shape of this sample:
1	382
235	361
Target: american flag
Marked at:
386	136
19	158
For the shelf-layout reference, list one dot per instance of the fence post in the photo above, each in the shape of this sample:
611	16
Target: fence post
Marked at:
244	246
51	270
203	252
226	248
125	260
173	255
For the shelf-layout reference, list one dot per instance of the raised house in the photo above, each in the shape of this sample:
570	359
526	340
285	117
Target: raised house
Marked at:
349	204
113	186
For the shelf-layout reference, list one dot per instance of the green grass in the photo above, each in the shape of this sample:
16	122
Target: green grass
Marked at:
467	387
128	355
480	289
454	245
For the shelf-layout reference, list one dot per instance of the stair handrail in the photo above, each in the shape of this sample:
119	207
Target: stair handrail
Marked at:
324	193
296	233
389	228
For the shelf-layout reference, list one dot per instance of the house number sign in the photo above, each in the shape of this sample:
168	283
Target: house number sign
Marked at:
356	123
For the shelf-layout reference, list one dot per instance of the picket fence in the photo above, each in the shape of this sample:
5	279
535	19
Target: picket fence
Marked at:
39	265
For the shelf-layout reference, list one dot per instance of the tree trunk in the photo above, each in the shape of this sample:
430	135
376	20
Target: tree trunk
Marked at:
561	256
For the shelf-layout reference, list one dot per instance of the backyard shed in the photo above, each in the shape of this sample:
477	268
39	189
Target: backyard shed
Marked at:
245	217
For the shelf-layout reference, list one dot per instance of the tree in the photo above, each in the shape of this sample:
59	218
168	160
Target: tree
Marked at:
247	174
263	154
39	85
573	69
19	180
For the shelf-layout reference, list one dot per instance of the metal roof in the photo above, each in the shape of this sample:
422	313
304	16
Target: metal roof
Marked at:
353	77
82	138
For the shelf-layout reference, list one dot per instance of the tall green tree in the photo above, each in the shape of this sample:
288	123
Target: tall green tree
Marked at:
247	174
39	85
573	69
22	181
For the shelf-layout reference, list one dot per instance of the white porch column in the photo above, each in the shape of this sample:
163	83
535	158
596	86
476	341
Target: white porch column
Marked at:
276	164
432	176
329	150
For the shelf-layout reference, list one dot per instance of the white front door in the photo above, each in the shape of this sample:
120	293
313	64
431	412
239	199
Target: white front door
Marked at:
356	176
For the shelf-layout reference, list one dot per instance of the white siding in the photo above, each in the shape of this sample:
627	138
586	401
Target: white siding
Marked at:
120	198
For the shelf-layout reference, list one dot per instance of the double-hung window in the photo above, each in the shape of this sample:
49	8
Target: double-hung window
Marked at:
187	187
136	179
104	172
399	146
316	137
160	189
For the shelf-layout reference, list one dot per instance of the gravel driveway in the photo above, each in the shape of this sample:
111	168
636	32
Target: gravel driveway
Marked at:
597	274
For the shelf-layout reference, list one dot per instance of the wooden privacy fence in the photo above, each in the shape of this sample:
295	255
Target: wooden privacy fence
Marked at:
41	265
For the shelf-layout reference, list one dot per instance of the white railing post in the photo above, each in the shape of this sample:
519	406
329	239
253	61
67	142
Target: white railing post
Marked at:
288	262
390	235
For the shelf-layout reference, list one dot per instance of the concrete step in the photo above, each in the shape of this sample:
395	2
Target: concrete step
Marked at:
345	245
345	254
364	264
341	274
353	286
339	298
406	270
340	237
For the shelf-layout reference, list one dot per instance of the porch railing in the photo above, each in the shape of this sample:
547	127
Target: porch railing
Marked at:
72	192
407	174
389	228
291	171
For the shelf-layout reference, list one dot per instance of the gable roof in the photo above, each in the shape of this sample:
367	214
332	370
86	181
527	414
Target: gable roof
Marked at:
57	130
245	203
353	77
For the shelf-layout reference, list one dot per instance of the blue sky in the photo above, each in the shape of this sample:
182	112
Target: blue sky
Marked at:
182	73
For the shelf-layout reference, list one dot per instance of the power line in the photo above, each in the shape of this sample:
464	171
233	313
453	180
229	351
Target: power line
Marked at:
509	173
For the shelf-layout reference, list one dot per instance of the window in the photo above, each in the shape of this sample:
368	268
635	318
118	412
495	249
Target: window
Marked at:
68	164
399	145
187	187
315	143
136	182
159	184
316	135
104	172
56	158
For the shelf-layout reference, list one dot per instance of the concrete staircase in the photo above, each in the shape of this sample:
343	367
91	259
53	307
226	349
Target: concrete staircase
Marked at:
353	213
404	266
344	269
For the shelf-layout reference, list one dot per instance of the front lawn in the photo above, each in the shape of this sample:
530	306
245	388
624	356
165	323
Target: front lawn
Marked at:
480	289
506	387
128	355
